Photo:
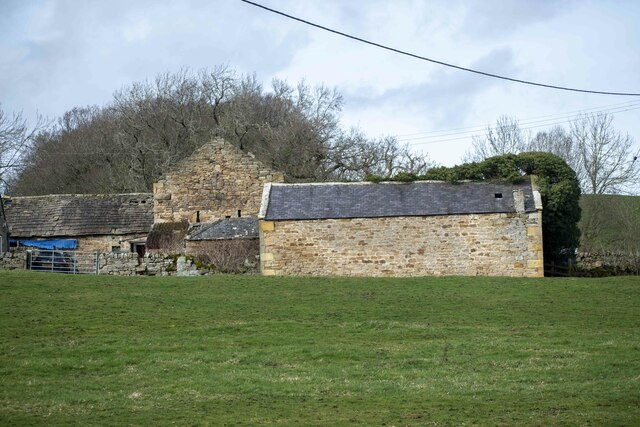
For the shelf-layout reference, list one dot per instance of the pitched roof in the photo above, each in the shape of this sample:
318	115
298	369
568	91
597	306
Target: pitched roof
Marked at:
79	214
228	228
370	200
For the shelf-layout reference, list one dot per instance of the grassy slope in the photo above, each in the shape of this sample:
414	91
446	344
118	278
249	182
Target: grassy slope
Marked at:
616	219
234	350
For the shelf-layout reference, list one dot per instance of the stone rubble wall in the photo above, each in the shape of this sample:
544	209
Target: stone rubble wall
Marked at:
218	180
467	245
123	264
13	260
129	264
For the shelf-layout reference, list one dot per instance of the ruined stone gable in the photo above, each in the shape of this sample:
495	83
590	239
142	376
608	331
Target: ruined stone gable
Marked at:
217	181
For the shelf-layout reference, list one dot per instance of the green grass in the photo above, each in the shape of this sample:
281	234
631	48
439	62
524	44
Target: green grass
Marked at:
234	350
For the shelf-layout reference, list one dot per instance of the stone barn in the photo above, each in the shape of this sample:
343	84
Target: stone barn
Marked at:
102	222
217	181
231	244
422	228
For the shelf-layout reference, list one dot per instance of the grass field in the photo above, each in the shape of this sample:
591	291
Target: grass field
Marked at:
234	350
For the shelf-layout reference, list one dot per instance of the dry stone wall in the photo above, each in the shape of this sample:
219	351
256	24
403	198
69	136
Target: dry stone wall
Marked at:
218	180
13	260
504	244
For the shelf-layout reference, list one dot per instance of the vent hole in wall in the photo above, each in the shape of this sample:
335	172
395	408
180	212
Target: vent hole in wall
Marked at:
497	195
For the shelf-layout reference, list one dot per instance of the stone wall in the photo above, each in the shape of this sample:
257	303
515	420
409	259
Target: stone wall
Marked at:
150	265
107	242
129	264
13	260
218	180
467	245
123	264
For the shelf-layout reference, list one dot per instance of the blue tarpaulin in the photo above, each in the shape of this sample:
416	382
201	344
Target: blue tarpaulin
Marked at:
50	244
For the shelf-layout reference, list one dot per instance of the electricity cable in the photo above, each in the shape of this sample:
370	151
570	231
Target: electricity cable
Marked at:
424	58
545	122
592	110
466	137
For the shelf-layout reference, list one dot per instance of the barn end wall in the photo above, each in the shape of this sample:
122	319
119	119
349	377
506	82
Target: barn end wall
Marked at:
501	244
218	180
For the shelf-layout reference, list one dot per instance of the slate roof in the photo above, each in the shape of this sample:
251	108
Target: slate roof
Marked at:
79	214
371	200
228	228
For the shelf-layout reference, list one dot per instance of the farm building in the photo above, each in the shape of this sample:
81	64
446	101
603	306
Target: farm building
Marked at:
87	222
401	229
229	243
217	181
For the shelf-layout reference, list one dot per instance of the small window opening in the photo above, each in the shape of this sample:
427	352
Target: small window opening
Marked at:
227	216
197	216
498	195
115	249
239	213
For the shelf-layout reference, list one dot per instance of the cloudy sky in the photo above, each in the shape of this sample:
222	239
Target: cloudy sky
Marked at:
58	54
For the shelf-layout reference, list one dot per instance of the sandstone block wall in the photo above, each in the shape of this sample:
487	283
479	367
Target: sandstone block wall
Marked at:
504	244
107	242
218	180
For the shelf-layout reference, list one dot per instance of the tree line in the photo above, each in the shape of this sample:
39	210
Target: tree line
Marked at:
149	126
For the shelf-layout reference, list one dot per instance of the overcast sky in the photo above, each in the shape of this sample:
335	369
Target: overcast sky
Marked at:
58	54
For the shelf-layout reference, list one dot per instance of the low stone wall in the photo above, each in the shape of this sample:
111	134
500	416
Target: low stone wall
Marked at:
129	264
620	261
13	260
124	264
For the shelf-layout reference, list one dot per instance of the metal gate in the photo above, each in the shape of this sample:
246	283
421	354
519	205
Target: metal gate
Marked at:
56	261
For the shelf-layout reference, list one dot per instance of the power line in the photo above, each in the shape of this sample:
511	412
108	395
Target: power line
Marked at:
468	136
544	122
600	109
424	58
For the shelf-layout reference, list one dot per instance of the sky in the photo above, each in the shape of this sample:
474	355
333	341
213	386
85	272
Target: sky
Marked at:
59	54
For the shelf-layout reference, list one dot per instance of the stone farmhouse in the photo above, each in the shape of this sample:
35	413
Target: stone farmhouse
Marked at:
401	229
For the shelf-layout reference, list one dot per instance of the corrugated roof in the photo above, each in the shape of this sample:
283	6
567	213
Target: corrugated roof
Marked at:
371	200
79	214
228	228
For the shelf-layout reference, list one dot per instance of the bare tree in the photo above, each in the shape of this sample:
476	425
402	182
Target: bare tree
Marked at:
354	156
151	125
16	138
503	138
609	162
559	142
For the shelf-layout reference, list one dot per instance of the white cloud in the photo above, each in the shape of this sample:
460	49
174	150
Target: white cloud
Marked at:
57	54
